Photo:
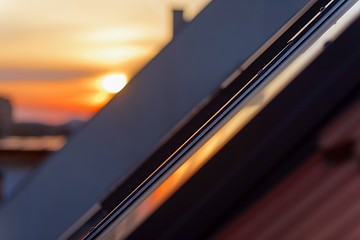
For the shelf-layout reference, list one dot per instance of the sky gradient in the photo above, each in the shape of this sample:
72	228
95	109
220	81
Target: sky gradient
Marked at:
55	53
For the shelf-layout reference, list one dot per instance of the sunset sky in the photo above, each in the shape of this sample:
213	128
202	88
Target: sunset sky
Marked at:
54	55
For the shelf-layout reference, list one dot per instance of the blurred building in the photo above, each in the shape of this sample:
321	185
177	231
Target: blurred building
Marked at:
5	117
24	146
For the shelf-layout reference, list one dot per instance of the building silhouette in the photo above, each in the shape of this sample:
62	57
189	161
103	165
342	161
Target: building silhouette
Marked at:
25	145
5	117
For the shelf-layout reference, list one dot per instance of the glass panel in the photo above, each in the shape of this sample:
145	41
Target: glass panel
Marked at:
231	125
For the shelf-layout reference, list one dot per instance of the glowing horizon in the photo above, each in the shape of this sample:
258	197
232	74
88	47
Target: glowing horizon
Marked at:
53	53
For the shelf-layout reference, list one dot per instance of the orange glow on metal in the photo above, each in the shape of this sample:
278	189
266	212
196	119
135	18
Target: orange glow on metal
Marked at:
220	136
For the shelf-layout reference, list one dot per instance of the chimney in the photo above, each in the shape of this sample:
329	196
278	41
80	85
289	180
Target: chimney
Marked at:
178	21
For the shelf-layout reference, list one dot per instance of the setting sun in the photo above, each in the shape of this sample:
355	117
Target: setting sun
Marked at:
113	83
